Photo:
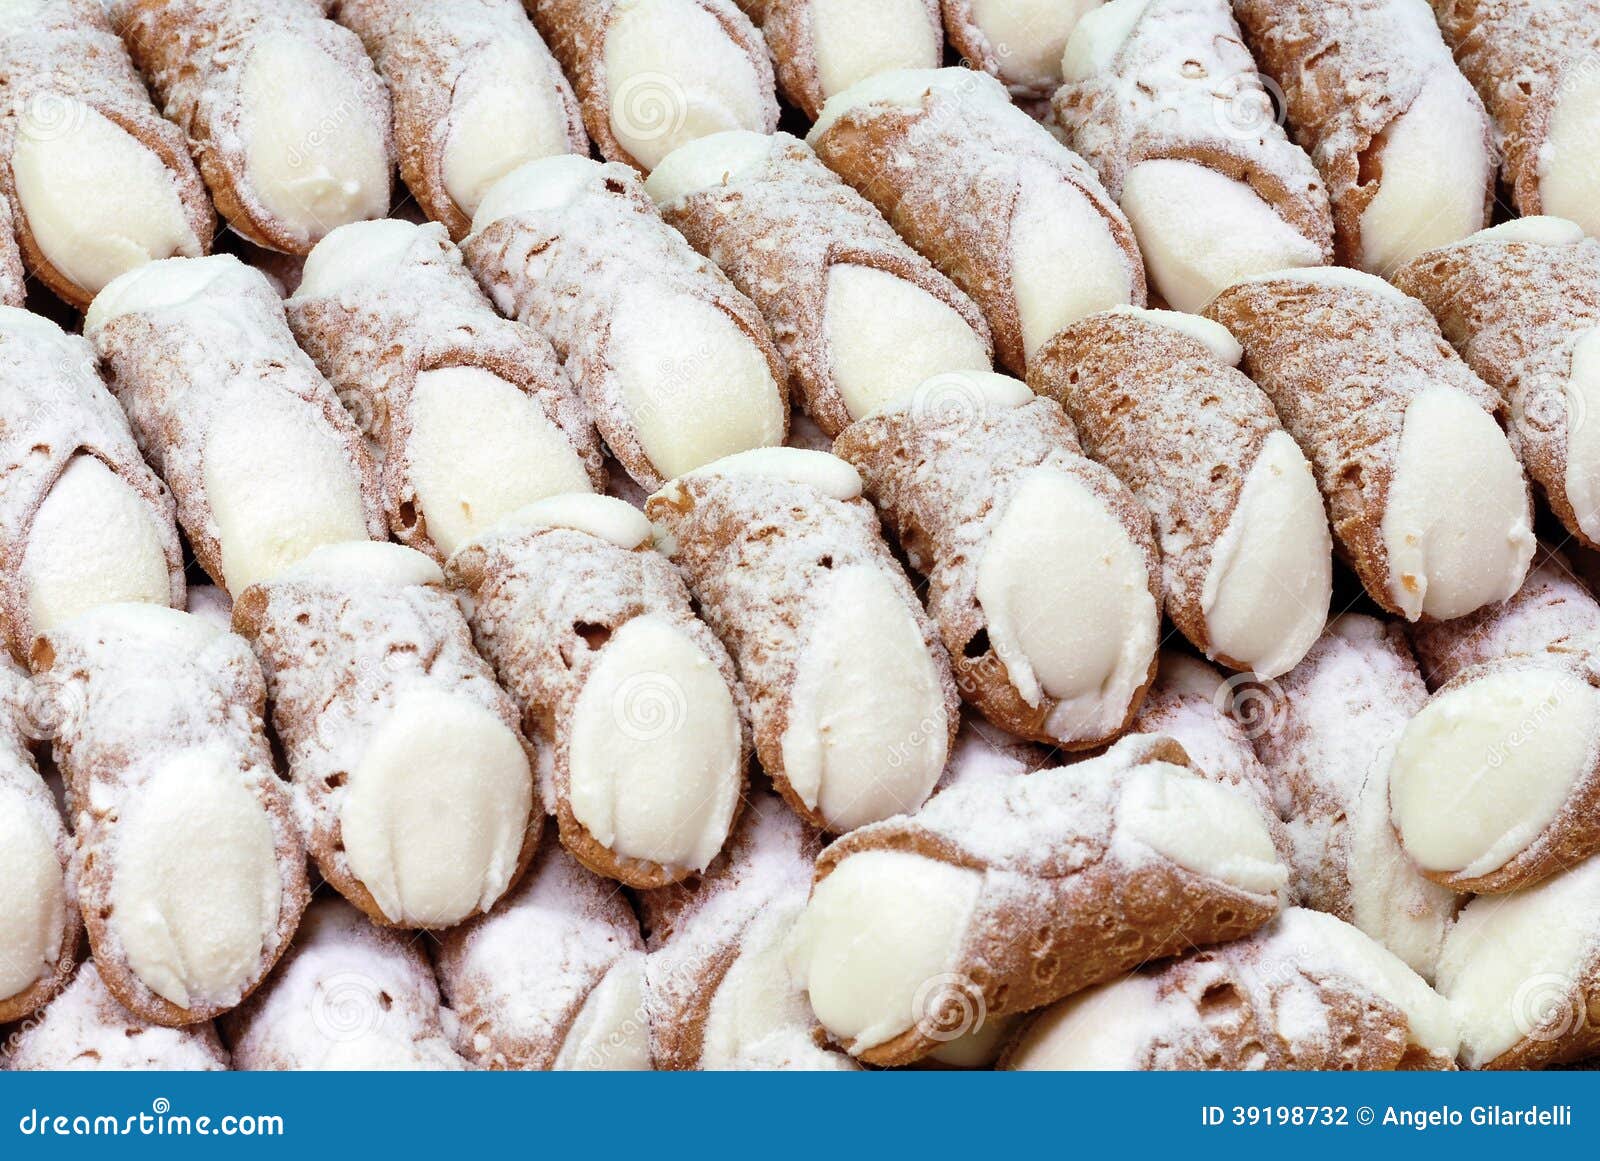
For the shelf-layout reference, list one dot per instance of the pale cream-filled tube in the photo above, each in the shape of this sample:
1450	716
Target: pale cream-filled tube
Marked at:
1019	41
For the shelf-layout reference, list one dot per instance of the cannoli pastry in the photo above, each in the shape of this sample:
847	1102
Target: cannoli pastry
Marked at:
859	317
1426	498
470	413
211	604
1043	575
288	121
553	978
1245	550
1163	99
1521	302
264	463
1532	61
718	986
83	521
13	290
407	764
1326	732
348	997
637	706
1307	991
852	702
1401	139
81	124
39	922
652	74
1007	893
188	860
476	93
1012	216
85	1028
1019	41
677	367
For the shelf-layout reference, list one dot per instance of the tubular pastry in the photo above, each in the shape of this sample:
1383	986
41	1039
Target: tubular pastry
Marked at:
1018	41
677	367
1246	555
637	705
858	315
404	754
187	856
83	521
1163	99
286	117
1006	893
852	703
1043	575
471	414
1426	498
264	463
1013	217
476	93
653	74
13	288
1402	141
84	125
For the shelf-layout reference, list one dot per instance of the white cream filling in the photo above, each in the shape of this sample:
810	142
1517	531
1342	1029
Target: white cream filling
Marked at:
1201	231
1027	36
355	254
505	109
673	74
314	155
1213	335
1455	526
195	887
979	1048
654	750
706	162
867	733
1203	826
1066	596
1103	1029
1097	36
694	385
279	484
879	937
1338	277
169	629
825	472
1539	230
1435	165
1487	766
960	394
167	282
908	88
1266	595
1582	475
94	542
366	562
96	200
886	336
435	814
479	450
611	1032
1569	170
853	39
548	184
606	517
33	895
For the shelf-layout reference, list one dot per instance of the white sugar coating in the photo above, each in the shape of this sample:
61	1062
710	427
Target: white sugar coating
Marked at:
1098	36
1582	476
34	888
1517	968
853	39
1019	40
960	392
905	89
1213	334
354	254
548	183
615	521
1342	277
1568	172
85	1028
825	472
721	158
212	605
1205	827
169	282
1537	229
364	562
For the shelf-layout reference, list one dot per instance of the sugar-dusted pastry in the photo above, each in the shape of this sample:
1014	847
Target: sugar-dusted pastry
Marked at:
553	978
83	521
1012	216
476	93
1326	732
652	74
264	463
1043	574
187	854
1533	63
719	990
1246	554
81	125
1307	991
348	996
851	698
1011	892
13	291
1019	41
677	367
636	704
470	414
86	1029
859	317
1521	302
406	759
1426	498
39	923
1401	139
1163	99
286	117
